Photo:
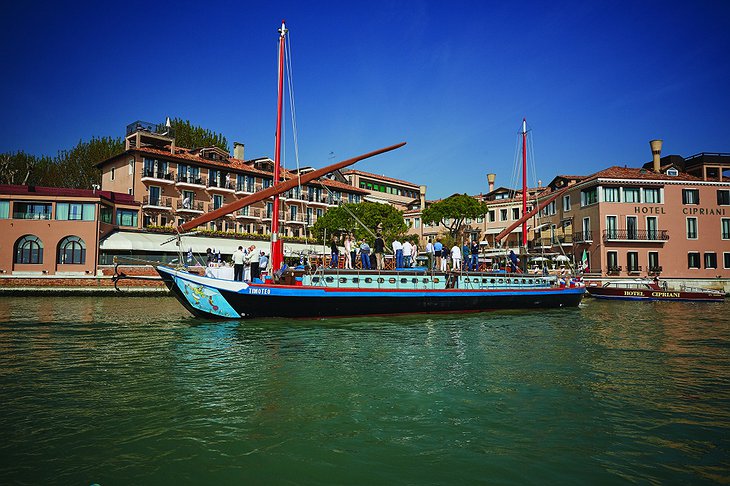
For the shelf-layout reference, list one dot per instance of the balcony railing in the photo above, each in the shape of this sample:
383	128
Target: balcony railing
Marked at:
254	213
30	215
613	270
634	269
165	202
189	179
221	184
583	236
192	206
155	128
641	235
655	270
158	174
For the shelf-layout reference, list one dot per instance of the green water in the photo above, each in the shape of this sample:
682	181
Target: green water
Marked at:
135	391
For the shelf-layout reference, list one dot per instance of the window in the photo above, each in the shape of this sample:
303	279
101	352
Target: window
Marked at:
693	260
632	195
632	230
726	260
632	261
651	195
588	196
611	227
75	211
566	203
29	249
723	197
269	209
690	196
652	233
725	224
4	209
587	229
612	260
691	228
417	222
654	261
105	214
492	216
112	174
131	166
515	213
126	217
710	260
292	213
503	215
217	201
72	250
611	194
31	210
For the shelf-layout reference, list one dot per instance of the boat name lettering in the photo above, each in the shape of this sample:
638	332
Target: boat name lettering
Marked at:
635	293
707	211
648	210
665	294
252	290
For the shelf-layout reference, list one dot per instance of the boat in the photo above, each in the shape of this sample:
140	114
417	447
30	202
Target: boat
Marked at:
648	289
308	292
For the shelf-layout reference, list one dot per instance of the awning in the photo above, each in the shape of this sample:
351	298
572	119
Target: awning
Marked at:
133	241
496	231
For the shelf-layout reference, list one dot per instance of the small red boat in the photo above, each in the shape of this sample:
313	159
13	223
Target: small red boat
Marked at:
645	289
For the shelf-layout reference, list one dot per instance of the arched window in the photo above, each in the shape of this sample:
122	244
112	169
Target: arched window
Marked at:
72	249
29	249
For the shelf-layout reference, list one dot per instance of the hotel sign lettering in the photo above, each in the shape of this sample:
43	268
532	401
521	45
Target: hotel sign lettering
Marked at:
649	210
702	211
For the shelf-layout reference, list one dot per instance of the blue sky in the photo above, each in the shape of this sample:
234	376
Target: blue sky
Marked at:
595	80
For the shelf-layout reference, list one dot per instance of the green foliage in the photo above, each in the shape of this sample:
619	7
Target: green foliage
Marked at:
190	136
22	168
77	166
452	211
339	221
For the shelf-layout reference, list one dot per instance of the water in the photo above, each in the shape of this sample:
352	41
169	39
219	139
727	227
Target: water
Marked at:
135	391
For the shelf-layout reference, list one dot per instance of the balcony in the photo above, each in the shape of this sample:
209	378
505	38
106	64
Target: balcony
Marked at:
157	176
645	236
655	270
251	214
635	270
583	237
298	219
245	189
194	182
163	203
615	270
195	207
221	186
159	129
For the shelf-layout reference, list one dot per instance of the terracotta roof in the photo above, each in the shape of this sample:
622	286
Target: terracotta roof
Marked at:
117	197
378	176
617	172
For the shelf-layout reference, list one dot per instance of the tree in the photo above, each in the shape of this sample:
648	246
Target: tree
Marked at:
191	136
341	220
452	211
77	167
22	168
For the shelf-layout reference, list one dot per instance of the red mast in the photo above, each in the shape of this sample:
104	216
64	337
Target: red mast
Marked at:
277	250
524	181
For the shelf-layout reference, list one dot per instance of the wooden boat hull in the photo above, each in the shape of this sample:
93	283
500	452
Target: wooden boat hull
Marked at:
652	294
213	298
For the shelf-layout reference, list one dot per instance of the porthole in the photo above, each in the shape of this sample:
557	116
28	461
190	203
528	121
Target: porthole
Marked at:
404	280
529	281
436	280
391	280
343	280
315	279
330	279
492	281
414	280
368	280
467	280
508	281
381	280
499	281
355	280
484	280
425	280
523	281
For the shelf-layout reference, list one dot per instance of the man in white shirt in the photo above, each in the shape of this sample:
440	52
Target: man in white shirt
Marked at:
238	264
407	250
429	254
398	249
456	256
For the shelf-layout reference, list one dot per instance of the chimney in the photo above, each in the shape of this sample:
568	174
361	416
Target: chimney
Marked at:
656	151
423	197
490	179
238	150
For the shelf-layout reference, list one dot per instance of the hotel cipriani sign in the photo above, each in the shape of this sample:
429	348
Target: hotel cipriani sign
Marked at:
689	211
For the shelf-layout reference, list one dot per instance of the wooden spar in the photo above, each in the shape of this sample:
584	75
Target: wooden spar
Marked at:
525	217
524	181
278	189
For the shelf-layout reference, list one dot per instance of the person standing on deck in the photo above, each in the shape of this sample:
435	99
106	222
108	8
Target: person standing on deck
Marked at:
465	255
455	257
474	255
379	250
407	250
398	249
238	264
335	253
348	252
263	263
365	255
247	255
438	248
